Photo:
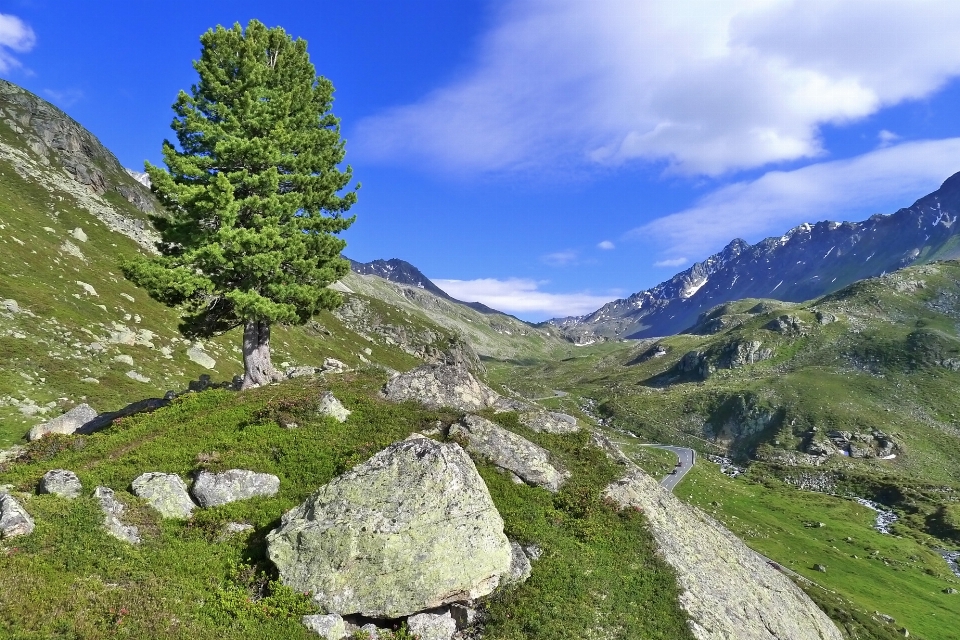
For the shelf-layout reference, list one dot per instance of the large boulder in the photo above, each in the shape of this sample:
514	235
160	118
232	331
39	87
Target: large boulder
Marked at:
112	516
61	482
14	519
410	529
549	422
728	590
509	451
440	385
215	489
67	423
166	492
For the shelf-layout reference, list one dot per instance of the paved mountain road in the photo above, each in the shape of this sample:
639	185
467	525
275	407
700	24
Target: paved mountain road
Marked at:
687	458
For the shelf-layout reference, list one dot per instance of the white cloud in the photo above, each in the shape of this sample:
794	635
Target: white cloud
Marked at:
887	137
879	181
16	36
670	262
522	296
606	245
560	258
704	86
64	98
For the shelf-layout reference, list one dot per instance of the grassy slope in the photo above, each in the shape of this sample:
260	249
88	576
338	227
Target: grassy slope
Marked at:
71	580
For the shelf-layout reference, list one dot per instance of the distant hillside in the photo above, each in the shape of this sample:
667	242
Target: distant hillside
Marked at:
806	262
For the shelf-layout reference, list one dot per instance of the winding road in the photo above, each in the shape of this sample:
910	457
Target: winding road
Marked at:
687	458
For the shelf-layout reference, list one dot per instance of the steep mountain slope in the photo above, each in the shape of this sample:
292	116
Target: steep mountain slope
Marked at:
806	262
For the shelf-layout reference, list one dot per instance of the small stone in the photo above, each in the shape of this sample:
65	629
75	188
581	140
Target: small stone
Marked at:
166	492
198	356
139	377
88	289
950	591
14	520
90	380
215	489
330	406
79	235
112	510
10	305
432	626
124	359
333	365
330	626
61	482
520	568
533	551
233	528
819	567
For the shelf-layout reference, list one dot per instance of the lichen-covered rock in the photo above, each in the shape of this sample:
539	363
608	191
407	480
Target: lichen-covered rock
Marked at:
432	626
520	568
66	423
112	511
440	385
549	422
14	519
412	528
330	406
61	482
727	589
329	626
215	489
509	451
166	492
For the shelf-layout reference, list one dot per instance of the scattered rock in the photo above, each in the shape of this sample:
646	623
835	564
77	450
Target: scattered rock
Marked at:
72	250
79	235
233	528
124	359
825	318
509	451
62	483
439	385
166	492
10	305
411	529
88	288
14	520
112	512
200	357
330	406
301	372
432	626
333	365
330	626
520	568
139	377
66	423
215	489
950	591
819	567
788	325
549	422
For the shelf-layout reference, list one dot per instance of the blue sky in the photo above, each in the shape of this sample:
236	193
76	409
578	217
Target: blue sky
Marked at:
546	156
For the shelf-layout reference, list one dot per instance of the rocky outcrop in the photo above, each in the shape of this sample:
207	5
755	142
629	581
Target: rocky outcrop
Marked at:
728	590
166	492
509	451
788	325
112	513
60	482
739	354
215	489
67	423
436	385
549	422
411	529
14	519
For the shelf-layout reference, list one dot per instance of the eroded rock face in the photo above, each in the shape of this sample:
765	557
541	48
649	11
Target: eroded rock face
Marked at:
67	423
61	482
14	519
215	489
728	590
166	492
439	385
549	422
112	512
509	451
411	529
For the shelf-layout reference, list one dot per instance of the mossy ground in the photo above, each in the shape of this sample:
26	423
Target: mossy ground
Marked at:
69	579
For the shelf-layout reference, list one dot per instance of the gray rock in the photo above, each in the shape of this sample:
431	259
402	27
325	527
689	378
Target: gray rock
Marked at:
333	365
520	568
330	406
112	513
61	482
200	357
330	626
79	235
124	359
950	591
412	528
819	567
215	489
432	626
66	423
726	588
464	615
440	385
233	528
788	325
826	318
14	519
743	353
10	305
301	372
549	422
166	492
139	377
509	451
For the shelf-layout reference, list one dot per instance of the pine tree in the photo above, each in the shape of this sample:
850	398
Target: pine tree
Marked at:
251	195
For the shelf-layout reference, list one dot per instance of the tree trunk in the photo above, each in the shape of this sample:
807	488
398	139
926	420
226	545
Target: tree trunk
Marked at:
257	368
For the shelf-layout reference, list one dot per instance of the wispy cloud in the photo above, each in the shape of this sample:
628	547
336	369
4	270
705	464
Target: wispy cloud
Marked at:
16	36
887	138
881	180
64	97
560	258
523	297
670	262
606	245
705	87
